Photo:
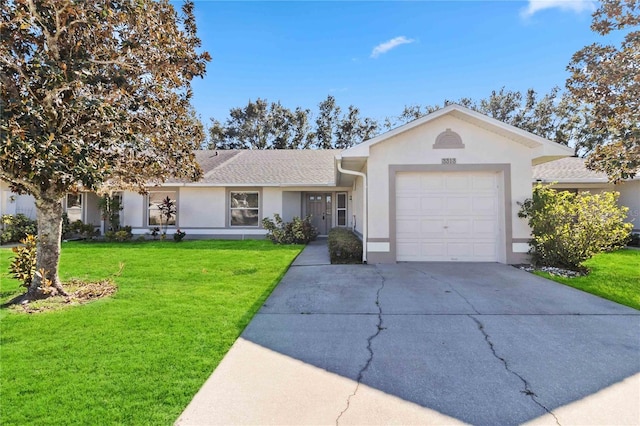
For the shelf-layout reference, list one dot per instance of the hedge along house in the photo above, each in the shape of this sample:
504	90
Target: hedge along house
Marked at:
446	187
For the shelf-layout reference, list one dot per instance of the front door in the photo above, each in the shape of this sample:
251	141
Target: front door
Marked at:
319	207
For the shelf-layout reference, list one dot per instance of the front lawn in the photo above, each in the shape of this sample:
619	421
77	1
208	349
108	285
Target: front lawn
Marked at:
614	276
139	356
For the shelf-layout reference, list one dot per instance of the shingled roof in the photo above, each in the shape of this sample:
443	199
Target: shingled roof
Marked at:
569	169
288	167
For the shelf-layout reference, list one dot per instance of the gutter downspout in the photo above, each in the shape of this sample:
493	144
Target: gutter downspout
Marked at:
364	207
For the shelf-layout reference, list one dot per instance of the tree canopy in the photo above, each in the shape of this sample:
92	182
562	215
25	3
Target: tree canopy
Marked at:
264	125
94	93
607	79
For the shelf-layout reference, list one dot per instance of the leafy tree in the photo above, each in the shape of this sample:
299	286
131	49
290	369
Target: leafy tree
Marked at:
94	94
351	129
568	228
605	77
261	125
264	125
326	123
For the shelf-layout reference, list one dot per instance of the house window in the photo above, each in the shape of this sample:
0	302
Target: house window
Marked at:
156	198
341	208
245	208
74	207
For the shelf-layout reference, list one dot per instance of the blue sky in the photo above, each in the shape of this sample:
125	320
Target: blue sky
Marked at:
299	52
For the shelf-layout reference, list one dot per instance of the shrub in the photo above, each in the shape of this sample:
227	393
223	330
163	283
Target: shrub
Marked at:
122	235
344	246
298	231
568	229
178	235
634	241
16	228
23	265
155	231
85	231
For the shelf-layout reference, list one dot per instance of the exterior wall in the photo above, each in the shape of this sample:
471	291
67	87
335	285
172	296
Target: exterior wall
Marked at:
630	197
133	205
483	150
357	206
291	205
200	207
12	203
271	202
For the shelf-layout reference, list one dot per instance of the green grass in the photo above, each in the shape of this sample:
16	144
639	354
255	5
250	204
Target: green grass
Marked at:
139	356
614	276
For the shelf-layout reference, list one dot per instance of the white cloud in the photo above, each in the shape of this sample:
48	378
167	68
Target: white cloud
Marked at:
388	45
576	6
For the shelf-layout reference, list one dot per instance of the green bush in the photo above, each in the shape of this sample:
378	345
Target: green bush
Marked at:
634	241
568	229
298	231
178	235
78	229
344	246
16	228
23	265
122	235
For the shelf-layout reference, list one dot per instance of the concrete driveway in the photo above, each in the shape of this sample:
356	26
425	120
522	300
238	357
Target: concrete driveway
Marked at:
428	343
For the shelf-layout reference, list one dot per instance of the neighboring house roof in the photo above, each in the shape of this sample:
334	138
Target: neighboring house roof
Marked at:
548	150
287	167
567	170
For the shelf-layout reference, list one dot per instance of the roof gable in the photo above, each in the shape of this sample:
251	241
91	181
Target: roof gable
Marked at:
546	147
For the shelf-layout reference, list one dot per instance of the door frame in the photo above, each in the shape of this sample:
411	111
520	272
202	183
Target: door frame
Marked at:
327	211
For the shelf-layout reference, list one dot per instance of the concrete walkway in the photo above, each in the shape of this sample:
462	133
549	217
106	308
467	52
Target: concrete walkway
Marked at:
314	254
427	343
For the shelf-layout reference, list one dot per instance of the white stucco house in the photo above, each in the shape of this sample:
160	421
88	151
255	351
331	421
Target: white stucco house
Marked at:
444	187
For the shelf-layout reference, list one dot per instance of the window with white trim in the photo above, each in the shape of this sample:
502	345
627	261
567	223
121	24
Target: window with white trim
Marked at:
154	216
341	208
244	208
74	207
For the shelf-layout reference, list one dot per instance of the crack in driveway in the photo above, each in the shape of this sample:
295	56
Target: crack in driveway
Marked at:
527	388
370	339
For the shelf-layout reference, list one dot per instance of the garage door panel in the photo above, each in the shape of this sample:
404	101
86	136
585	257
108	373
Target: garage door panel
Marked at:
486	205
409	205
458	205
408	182
435	250
432	204
432	183
456	218
484	182
484	228
457	182
431	228
457	227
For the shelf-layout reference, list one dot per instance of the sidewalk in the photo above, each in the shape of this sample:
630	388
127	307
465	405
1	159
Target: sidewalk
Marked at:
314	254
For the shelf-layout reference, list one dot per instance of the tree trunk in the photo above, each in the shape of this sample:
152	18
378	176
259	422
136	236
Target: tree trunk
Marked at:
46	281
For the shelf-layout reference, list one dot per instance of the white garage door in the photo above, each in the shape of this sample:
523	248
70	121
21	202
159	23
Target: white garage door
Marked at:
447	216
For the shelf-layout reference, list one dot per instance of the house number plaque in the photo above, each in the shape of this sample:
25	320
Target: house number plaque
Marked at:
448	161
